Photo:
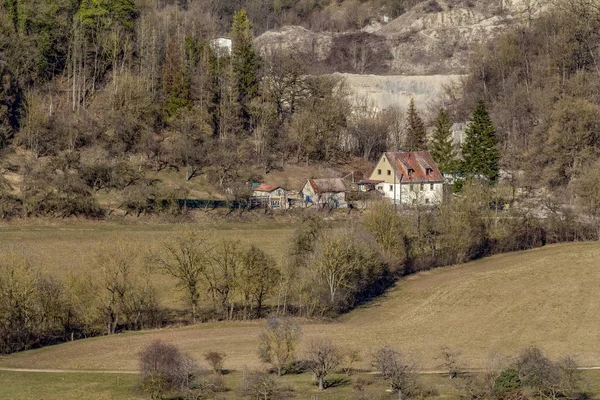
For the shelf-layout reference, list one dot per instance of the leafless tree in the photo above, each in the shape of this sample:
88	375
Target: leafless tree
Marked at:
323	357
278	343
394	369
163	367
215	359
184	258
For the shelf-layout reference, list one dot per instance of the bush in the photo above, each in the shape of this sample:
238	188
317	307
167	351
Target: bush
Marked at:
215	360
164	368
507	382
263	386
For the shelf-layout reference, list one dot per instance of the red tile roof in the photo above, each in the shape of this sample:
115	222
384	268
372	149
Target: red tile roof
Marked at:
415	166
265	188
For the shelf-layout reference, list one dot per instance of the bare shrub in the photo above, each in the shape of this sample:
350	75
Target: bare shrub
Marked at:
278	343
164	368
395	369
215	360
263	386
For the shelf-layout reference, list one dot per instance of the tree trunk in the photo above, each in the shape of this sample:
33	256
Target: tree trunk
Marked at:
321	385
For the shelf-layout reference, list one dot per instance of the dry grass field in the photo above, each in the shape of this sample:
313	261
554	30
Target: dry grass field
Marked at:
60	248
488	309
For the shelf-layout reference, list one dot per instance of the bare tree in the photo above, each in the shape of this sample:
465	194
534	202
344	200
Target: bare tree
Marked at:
215	359
394	369
449	361
117	264
323	357
335	262
278	343
163	367
184	258
261	386
349	358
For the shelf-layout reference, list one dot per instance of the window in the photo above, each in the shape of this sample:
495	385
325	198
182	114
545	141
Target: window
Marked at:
431	185
378	172
428	171
426	201
391	188
412	188
410	171
422	186
389	172
379	187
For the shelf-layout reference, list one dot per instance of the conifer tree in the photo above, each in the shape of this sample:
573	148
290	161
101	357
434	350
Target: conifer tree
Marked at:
442	145
244	62
416	137
480	149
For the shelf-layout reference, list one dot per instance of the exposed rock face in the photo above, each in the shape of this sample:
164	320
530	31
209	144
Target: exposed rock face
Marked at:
386	91
425	40
433	38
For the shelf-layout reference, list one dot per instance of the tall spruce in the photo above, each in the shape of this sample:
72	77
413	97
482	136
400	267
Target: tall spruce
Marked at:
244	62
481	156
442	145
416	137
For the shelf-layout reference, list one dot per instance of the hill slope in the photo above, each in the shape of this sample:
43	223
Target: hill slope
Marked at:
493	306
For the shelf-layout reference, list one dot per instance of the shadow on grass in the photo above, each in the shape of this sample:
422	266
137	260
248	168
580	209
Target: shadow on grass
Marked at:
336	382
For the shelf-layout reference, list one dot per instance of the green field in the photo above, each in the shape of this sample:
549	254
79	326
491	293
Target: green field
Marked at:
95	386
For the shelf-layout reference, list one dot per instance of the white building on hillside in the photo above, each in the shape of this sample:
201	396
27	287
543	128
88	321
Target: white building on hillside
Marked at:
409	178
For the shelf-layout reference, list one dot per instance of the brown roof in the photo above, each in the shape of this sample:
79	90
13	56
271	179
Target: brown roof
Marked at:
412	166
265	188
328	185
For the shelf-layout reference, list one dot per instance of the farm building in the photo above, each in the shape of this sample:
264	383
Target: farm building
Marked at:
409	178
269	196
330	192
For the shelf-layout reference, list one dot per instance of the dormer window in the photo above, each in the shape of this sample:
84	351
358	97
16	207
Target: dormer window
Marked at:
411	171
428	171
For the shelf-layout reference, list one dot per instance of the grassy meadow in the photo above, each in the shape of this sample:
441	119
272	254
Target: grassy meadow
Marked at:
63	248
96	386
488	310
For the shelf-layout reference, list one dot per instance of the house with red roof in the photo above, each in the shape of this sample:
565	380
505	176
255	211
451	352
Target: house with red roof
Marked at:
409	178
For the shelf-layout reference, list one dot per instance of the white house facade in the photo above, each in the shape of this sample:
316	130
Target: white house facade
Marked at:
409	178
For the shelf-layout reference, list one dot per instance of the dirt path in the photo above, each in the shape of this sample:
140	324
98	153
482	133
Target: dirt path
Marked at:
69	371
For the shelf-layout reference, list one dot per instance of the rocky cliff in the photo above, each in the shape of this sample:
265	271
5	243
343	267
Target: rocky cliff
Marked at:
432	43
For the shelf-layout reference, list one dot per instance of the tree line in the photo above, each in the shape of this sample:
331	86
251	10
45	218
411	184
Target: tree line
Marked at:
328	269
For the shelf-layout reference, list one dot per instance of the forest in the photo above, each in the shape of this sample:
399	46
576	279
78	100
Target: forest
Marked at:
98	95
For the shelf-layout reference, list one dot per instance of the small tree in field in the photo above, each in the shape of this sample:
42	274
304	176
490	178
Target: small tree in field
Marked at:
215	360
164	368
278	343
185	259
394	369
323	357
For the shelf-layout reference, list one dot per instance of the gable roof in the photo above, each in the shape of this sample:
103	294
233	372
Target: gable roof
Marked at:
328	185
412	166
266	188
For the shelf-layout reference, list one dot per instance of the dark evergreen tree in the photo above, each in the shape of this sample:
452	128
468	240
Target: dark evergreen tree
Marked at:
244	62
416	137
481	156
442	145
